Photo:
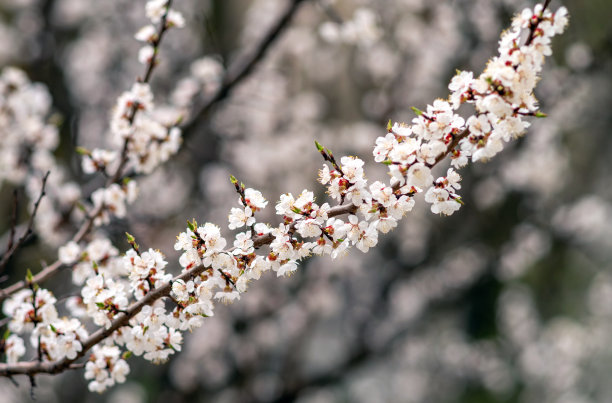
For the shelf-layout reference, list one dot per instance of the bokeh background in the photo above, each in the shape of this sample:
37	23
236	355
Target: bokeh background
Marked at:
508	300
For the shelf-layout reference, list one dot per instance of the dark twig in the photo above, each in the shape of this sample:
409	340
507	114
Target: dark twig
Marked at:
15	246
32	387
241	69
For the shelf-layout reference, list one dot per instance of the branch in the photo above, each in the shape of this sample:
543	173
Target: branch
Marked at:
55	367
241	69
350	208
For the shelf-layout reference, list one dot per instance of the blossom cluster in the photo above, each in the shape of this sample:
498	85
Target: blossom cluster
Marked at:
29	137
33	311
145	310
105	367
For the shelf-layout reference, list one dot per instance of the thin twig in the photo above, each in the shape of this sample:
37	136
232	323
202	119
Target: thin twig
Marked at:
241	69
29	229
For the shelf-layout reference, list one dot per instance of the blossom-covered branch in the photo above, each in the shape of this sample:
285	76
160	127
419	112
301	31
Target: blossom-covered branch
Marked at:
142	310
12	247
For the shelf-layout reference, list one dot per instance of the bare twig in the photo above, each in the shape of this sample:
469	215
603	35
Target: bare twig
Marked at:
29	229
241	69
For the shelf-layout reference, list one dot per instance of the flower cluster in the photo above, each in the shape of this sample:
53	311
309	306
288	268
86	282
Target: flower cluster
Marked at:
99	256
33	311
29	138
151	334
503	93
146	271
104	298
149	142
105	367
442	195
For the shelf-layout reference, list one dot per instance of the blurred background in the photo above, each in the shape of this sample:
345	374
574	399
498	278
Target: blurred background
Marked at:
508	300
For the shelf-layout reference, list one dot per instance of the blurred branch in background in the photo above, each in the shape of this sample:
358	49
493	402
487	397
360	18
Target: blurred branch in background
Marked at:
242	67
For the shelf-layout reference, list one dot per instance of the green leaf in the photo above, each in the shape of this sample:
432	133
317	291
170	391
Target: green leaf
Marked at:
82	151
417	111
539	114
6	335
389	125
318	145
29	276
233	179
192	225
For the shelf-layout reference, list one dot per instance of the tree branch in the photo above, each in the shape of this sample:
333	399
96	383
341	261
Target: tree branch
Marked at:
241	69
55	367
12	248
